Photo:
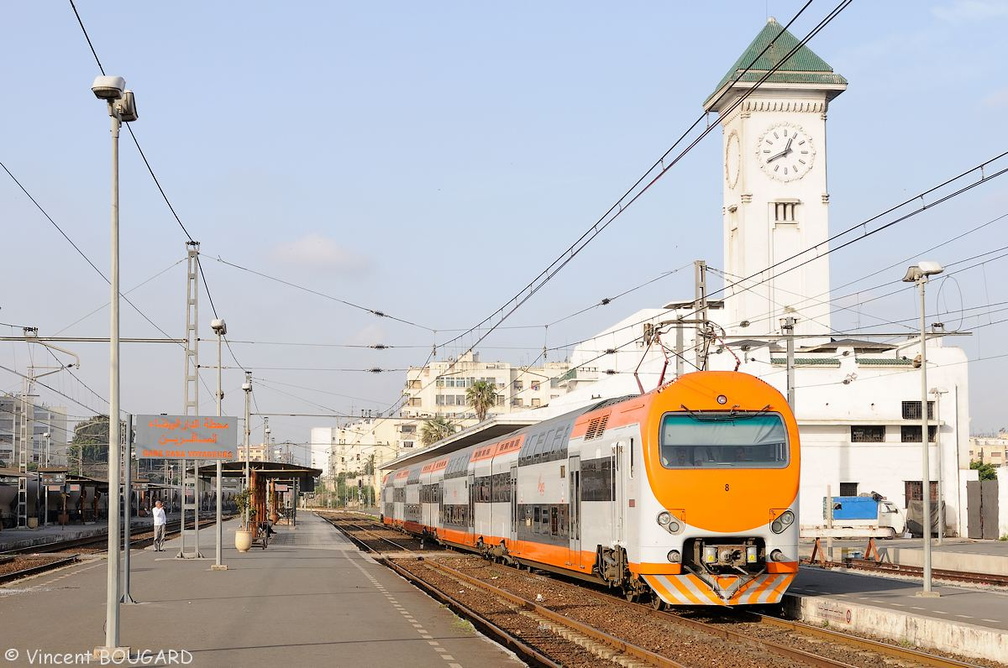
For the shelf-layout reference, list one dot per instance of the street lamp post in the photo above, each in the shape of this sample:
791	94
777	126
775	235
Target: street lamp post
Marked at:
45	492
121	109
219	328
247	387
919	274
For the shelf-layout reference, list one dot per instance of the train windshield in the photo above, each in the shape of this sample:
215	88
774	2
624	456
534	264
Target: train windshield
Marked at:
720	440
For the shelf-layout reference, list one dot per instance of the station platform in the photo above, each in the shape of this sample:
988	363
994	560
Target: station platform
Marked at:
310	598
967	620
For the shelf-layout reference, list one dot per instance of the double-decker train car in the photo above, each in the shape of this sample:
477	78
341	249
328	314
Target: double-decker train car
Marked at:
686	495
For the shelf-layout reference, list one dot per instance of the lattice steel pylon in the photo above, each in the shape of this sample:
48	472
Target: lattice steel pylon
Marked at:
191	398
192	322
26	441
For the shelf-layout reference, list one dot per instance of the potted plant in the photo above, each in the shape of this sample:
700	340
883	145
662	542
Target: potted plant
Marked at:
245	532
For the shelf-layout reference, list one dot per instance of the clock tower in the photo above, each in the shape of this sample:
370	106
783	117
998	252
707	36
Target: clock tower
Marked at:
776	204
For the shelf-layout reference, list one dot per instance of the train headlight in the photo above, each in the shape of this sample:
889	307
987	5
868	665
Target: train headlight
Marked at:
782	522
674	527
664	517
777	555
751	554
674	557
710	554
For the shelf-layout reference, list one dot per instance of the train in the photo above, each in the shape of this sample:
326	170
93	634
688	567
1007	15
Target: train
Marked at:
683	496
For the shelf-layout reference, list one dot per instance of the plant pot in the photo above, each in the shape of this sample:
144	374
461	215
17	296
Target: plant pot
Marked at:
243	540
33	523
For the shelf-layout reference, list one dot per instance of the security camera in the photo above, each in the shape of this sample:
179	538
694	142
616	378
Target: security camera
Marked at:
108	88
219	327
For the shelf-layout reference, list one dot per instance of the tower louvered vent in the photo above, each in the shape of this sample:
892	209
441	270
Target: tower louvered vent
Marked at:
596	427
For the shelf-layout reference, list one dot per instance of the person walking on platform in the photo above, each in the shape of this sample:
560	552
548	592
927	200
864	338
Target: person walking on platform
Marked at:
160	520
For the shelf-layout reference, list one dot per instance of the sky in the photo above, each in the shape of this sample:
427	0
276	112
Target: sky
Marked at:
426	161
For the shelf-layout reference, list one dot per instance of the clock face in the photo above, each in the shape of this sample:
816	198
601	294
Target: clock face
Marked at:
733	159
785	152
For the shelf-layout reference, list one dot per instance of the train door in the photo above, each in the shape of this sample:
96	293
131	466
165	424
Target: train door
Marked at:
472	506
618	492
514	502
574	494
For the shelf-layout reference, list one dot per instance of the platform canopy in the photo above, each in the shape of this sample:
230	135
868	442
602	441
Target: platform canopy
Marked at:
270	470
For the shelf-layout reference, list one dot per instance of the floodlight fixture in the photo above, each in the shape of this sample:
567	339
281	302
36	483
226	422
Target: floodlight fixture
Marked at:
108	88
219	327
922	269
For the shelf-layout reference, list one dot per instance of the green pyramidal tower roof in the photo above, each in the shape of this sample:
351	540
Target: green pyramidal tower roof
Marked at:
803	67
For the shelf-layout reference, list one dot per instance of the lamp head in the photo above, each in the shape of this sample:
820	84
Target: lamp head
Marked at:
108	88
921	270
247	387
218	326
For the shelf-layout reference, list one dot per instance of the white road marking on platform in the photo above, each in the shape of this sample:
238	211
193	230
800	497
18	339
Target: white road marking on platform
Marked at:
992	621
914	607
965	616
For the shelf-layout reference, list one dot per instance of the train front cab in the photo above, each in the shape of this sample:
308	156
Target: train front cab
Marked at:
719	526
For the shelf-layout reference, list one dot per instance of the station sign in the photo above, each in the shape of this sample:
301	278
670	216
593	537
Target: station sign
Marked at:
186	437
53	477
280	488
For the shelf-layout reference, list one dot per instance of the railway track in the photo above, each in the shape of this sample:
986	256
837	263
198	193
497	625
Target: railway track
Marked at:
547	621
887	568
24	562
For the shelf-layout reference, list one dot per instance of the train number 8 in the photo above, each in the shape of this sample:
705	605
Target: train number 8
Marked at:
726	486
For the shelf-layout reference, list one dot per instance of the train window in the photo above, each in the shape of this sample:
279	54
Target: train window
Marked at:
722	440
542	446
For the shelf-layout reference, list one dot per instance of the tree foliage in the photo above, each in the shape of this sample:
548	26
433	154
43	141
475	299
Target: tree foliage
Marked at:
987	472
481	395
436	428
90	441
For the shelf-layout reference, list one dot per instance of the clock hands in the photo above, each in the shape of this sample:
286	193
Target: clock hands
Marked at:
787	149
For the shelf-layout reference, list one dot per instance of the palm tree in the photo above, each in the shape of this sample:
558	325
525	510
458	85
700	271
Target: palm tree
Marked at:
481	395
436	428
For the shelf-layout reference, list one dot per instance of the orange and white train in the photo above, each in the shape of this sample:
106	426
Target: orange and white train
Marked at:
686	495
